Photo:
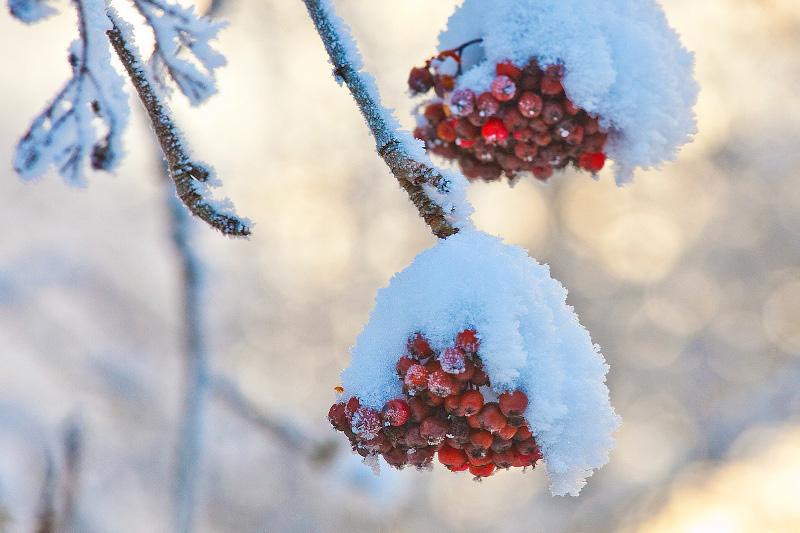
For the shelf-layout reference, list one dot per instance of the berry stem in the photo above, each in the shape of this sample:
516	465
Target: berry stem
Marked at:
412	174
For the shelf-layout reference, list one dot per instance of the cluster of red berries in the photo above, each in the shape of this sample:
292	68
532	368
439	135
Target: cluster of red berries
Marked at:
443	412
524	123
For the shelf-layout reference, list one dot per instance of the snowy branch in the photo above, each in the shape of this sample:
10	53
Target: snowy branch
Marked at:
422	181
191	177
64	133
175	29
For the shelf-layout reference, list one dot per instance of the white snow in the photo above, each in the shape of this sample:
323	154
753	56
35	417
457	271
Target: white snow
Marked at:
530	340
623	63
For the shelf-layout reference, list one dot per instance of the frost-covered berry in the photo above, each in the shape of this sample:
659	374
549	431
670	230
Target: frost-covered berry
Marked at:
463	101
416	378
433	429
396	412
503	88
488	105
453	360
419	347
367	423
441	383
421	457
530	104
507	68
396	457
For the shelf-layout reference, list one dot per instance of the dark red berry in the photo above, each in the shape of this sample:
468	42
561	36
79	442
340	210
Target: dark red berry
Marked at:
452	457
396	412
468	341
367	423
446	131
481	471
463	101
552	113
441	383
403	364
434	113
488	105
513	403
434	430
420	80
418	346
491	418
337	416
507	68
593	162
503	89
416	378
530	105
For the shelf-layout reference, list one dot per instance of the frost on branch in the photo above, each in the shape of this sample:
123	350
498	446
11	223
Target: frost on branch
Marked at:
622	63
179	29
530	341
87	118
30	11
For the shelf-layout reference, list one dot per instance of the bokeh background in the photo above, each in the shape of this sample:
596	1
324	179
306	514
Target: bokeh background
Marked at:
689	279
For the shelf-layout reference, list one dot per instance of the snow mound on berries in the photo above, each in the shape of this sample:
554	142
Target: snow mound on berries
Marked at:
531	340
623	63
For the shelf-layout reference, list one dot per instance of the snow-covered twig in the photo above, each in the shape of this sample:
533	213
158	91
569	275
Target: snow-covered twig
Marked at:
190	176
64	133
178	28
291	436
416	175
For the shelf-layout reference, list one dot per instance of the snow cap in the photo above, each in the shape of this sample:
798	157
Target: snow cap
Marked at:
531	340
623	63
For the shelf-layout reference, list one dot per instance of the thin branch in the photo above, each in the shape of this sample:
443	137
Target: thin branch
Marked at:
72	443
420	179
46	519
191	177
227	392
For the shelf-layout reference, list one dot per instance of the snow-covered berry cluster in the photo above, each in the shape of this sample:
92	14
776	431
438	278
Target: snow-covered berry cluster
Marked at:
524	122
447	409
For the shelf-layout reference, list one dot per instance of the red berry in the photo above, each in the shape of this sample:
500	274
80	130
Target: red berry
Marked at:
595	143
468	341
414	438
500	445
510	163
487	105
434	430
453	360
543	139
466	144
337	416
504	459
461	468
542	172
477	120
552	113
367	423
571	108
494	131
403	364
446	131
418	346
491	418
473	421
452	404
538	125
481	441
419	409
433	400
421	457
513	403
525	135
459	430
463	100
503	89
396	412
416	378
396	457
593	162
435	113
379	444
507	433
471	402
513	119
420	80
526	152
467	130
530	105
471	169
527	447
507	68
523	433
467	374
441	383
452	457
490	172
551	86
443	84
482	471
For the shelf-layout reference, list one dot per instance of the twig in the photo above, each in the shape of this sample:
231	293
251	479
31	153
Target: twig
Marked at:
46	520
190	176
72	442
230	395
420	179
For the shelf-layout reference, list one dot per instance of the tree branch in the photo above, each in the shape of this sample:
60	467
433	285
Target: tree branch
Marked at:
415	174
190	176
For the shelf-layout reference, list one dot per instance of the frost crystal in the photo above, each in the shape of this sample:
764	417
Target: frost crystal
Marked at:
531	340
623	63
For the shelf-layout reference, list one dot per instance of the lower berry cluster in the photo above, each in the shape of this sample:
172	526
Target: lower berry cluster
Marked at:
444	412
524	123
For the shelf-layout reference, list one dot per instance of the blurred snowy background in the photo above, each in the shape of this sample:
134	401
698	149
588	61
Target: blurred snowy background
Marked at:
689	279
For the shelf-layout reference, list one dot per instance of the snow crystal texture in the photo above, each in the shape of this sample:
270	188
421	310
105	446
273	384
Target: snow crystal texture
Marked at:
531	340
623	63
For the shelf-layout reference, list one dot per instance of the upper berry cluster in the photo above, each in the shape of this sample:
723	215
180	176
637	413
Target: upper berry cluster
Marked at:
524	123
444	409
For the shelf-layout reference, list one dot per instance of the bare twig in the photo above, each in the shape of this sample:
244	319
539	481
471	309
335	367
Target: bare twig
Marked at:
418	178
292	437
72	443
190	177
46	519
